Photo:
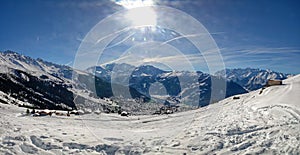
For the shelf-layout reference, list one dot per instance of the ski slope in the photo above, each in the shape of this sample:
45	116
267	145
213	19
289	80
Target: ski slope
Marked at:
262	123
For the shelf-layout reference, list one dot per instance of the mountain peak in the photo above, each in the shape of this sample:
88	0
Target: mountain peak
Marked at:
251	78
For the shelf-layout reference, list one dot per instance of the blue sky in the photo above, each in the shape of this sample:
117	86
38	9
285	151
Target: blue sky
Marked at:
257	34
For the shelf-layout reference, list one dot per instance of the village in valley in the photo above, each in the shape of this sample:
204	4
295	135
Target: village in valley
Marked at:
170	106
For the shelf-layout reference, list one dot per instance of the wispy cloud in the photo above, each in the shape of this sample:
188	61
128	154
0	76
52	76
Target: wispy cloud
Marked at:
259	52
264	50
189	36
86	5
267	57
175	61
69	63
120	42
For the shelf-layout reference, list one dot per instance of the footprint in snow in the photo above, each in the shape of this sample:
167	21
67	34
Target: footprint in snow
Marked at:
28	149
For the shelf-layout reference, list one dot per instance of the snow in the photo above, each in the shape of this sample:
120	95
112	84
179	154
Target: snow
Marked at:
262	123
144	74
9	61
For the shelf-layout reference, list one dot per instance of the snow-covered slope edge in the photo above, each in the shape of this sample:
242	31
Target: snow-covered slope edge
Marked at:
262	123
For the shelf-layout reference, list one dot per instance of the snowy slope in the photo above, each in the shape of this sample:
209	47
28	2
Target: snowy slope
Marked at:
41	84
262	123
36	67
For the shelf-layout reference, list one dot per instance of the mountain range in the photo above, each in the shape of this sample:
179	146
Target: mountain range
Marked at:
251	79
40	84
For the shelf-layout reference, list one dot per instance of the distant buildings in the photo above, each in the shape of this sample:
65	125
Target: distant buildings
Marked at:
274	82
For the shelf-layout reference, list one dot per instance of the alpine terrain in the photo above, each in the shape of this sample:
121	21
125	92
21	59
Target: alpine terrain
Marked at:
35	83
263	121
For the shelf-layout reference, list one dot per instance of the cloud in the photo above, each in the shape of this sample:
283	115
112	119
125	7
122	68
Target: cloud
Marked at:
268	50
86	5
267	57
69	63
188	36
120	42
176	61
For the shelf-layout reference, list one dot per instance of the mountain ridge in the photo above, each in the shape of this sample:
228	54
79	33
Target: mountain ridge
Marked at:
89	86
250	78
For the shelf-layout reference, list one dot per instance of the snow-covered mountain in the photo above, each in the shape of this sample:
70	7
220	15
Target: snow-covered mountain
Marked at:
47	85
256	123
36	67
36	83
249	78
192	88
39	84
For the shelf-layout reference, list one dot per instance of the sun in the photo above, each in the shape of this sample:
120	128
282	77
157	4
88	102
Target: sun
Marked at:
129	4
140	12
142	17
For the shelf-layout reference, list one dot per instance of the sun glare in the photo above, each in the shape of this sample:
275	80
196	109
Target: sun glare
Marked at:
145	16
138	17
129	4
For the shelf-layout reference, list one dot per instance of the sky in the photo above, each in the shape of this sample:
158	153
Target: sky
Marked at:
249	33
